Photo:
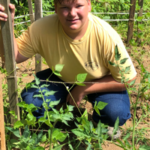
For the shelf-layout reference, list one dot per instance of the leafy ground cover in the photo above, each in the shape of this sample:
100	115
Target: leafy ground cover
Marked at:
135	133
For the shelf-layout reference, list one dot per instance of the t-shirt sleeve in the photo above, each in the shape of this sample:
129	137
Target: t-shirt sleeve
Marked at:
25	44
121	68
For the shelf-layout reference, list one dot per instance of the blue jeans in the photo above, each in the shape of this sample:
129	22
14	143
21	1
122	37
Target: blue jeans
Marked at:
118	102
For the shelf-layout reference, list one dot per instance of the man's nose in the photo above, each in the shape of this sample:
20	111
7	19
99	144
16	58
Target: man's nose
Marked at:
72	11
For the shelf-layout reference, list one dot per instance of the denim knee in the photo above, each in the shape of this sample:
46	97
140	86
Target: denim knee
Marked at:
118	105
119	113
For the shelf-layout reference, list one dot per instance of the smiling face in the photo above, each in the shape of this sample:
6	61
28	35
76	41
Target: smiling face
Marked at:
73	15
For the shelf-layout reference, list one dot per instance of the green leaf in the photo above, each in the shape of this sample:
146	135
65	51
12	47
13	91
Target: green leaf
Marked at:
127	69
22	104
57	73
26	132
39	148
131	83
126	80
48	100
122	61
116	126
37	80
70	107
85	114
89	147
30	119
112	64
54	103
34	86
18	124
58	68
16	132
126	137
44	138
38	95
81	77
59	147
39	137
117	54
48	93
44	85
42	119
97	110
101	105
79	133
144	147
31	107
59	135
70	146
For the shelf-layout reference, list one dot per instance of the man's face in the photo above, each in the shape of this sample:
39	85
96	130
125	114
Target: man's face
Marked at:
73	15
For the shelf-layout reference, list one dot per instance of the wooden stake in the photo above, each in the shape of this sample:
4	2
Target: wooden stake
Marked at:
38	15
8	43
140	2
2	128
31	11
131	20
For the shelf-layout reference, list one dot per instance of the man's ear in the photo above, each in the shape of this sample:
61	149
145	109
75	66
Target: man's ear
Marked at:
89	5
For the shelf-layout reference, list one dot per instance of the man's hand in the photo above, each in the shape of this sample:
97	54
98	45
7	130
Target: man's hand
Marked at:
4	16
77	94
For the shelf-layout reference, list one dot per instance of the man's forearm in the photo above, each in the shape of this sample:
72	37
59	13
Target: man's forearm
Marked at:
105	84
18	57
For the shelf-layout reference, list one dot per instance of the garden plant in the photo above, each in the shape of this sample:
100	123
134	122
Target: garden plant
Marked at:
30	132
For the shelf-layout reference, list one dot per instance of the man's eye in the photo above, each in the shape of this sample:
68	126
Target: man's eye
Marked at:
64	7
79	6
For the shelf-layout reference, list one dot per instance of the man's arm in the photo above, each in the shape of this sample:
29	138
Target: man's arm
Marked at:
3	17
105	84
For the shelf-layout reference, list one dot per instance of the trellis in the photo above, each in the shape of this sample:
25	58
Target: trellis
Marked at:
10	58
95	13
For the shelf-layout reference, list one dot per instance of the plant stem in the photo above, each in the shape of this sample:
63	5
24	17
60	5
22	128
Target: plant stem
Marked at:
51	129
134	116
50	76
73	99
51	134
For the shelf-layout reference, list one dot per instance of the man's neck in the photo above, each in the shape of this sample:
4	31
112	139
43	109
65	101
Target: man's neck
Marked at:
77	35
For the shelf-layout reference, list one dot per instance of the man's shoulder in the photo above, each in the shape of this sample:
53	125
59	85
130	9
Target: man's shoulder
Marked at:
103	27
100	23
48	22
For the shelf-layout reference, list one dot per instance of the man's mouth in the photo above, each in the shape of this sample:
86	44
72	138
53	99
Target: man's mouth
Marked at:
72	20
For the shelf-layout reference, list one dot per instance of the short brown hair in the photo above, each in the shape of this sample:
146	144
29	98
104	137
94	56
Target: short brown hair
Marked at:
60	1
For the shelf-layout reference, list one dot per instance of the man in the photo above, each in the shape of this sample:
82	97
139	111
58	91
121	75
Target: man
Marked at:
84	44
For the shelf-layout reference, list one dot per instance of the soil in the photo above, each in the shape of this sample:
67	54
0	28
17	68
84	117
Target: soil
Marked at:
142	53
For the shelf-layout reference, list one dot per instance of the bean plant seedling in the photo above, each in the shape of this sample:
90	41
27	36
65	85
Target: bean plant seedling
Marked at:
125	144
85	131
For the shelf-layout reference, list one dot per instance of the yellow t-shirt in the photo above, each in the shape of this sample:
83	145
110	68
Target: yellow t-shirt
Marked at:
91	54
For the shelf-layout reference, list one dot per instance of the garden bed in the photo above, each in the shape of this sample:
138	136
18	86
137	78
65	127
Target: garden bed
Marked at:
25	74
